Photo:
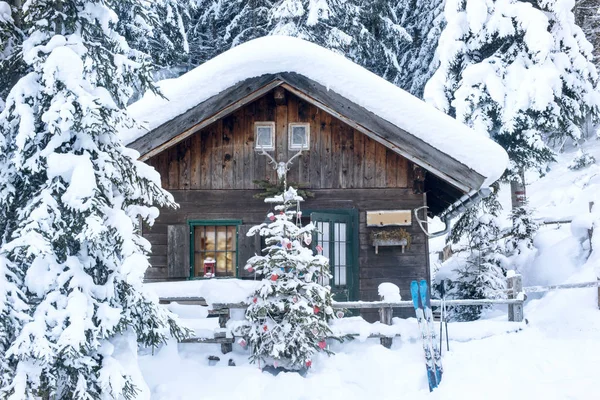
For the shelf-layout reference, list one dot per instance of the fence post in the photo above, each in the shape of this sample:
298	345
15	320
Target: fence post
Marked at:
515	311
223	318
385	317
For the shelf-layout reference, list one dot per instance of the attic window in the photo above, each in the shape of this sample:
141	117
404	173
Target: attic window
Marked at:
264	135
299	136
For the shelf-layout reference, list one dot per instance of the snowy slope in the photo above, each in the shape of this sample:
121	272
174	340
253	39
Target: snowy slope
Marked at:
275	54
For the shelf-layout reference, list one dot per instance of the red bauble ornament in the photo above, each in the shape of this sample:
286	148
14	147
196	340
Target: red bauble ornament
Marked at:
254	300
295	299
289	245
250	269
308	364
272	217
322	344
319	249
316	310
274	277
265	328
242	343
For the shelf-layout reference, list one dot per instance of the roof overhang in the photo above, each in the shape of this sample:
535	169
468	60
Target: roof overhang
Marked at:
461	178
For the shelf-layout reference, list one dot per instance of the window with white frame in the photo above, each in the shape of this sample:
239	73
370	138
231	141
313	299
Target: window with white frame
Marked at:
264	135
299	136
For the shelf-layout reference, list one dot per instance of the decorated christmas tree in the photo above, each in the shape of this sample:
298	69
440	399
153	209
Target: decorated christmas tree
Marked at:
289	312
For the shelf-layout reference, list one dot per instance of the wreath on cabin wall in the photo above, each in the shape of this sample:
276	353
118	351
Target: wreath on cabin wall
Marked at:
274	189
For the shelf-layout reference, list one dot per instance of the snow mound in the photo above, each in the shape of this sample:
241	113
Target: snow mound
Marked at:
212	290
389	292
277	54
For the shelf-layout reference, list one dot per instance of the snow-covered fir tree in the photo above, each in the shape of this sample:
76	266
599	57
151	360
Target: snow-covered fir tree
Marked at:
10	39
523	229
13	315
423	21
517	70
480	276
72	197
377	39
290	310
157	28
220	25
368	33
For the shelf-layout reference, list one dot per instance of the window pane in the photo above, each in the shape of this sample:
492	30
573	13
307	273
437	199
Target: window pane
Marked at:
231	238
342	232
218	243
221	238
263	136
298	135
342	278
221	264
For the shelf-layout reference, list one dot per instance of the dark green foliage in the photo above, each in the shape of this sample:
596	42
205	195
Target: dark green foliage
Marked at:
271	189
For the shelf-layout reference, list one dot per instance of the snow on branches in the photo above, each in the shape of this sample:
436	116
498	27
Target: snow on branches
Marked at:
517	70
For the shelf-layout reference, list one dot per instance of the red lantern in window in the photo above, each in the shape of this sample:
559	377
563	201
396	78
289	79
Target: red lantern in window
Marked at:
209	267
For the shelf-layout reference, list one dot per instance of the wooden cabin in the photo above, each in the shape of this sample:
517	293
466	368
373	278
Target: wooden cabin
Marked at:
367	175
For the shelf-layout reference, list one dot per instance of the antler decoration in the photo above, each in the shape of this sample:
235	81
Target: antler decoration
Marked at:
281	167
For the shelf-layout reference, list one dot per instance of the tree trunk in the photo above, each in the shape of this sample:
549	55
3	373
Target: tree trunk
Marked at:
17	4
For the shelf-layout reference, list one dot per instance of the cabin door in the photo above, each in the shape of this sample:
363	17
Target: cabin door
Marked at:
335	235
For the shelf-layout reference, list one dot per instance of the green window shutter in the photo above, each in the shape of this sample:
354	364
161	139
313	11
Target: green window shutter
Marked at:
248	246
178	251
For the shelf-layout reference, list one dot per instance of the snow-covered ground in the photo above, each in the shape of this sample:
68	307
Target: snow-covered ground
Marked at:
553	356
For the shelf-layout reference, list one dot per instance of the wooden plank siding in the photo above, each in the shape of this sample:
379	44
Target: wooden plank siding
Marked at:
222	155
390	265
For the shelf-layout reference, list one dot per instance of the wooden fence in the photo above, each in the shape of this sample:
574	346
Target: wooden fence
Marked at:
515	291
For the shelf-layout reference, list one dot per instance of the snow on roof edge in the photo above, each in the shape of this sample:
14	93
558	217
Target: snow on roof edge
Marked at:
277	54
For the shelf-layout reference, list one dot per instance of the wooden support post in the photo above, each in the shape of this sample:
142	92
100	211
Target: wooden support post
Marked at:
385	317
223	318
599	293
515	311
591	230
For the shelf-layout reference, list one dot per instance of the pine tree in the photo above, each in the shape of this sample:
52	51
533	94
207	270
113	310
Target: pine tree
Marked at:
481	276
368	33
157	28
72	197
219	25
13	315
290	310
524	228
378	39
518	71
423	21
10	39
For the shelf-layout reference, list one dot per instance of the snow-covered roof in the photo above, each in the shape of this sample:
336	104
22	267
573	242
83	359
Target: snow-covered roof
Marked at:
280	54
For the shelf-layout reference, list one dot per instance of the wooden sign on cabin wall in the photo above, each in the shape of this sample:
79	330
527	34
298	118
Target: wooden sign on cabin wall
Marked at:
389	218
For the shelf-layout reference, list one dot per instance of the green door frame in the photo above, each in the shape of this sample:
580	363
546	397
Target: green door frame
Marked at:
351	217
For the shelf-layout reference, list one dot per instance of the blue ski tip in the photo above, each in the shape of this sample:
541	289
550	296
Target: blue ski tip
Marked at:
424	293
414	291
